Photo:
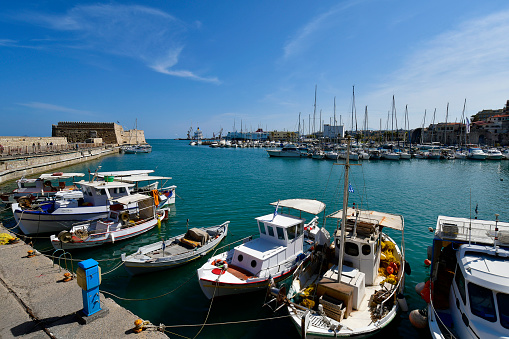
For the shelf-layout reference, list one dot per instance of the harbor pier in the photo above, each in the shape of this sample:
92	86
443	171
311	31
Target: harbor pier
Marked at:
37	303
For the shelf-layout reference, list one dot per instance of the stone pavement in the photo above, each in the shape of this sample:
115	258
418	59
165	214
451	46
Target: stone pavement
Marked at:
36	303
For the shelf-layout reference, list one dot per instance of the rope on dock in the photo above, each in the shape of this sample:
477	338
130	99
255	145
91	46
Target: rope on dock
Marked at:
151	298
210	306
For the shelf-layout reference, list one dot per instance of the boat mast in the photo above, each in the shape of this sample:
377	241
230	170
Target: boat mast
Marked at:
345	206
433	124
314	113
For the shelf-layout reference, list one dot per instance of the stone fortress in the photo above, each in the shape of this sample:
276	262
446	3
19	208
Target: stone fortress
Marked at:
109	133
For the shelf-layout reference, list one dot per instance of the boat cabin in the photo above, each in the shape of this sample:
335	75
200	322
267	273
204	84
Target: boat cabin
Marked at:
281	238
96	193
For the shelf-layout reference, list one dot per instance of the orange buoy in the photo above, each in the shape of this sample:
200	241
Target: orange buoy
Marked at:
67	277
427	262
31	253
138	326
425	293
390	270
418	318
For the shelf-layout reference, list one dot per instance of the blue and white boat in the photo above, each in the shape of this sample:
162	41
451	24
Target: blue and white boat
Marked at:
68	208
289	150
468	289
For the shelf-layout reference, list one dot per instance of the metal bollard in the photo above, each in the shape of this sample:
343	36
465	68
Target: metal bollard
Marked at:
89	279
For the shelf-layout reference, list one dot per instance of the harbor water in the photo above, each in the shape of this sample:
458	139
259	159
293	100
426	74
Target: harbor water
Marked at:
219	184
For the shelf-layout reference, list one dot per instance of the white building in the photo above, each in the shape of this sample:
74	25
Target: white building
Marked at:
333	131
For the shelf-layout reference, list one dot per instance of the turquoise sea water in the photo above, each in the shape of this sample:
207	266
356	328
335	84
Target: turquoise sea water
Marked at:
215	185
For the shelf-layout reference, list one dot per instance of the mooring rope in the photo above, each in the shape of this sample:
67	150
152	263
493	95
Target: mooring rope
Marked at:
151	298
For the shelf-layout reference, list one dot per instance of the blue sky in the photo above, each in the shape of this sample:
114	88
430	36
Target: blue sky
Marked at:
173	65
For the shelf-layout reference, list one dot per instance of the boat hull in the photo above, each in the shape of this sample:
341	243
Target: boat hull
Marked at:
105	238
136	266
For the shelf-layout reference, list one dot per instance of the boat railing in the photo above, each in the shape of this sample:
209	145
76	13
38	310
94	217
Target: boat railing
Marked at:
440	322
472	230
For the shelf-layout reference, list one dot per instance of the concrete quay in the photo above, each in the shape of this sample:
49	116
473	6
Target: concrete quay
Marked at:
36	303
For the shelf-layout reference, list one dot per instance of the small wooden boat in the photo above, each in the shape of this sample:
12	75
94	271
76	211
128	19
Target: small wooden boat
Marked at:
122	223
176	251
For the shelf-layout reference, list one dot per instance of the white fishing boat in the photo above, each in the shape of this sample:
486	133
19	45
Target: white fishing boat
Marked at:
122	223
390	155
289	150
319	155
176	251
42	187
476	154
67	208
141	148
144	183
273	256
494	154
354	295
468	289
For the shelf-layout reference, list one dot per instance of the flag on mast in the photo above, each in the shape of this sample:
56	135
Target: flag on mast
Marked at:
275	211
350	188
468	125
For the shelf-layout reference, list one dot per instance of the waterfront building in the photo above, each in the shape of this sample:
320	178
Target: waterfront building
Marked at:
332	131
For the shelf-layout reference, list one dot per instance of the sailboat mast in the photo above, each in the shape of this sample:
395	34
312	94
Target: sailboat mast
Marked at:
445	128
314	113
345	206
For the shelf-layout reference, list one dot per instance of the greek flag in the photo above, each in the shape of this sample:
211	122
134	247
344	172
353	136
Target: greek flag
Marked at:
350	188
275	212
468	125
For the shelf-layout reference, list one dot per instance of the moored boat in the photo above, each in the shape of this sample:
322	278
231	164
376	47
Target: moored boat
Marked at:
122	223
273	256
468	289
352	293
176	251
289	150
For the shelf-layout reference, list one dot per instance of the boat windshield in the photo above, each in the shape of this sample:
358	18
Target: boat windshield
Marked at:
503	308
481	302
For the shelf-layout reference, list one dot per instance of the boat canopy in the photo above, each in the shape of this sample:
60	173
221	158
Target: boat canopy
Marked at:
372	217
138	178
128	199
305	205
124	173
104	184
60	175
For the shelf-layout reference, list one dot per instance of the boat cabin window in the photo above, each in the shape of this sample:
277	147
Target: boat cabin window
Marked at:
291	232
253	263
460	283
119	190
503	308
28	185
240	257
280	233
366	249
300	229
351	249
481	302
262	228
100	191
271	230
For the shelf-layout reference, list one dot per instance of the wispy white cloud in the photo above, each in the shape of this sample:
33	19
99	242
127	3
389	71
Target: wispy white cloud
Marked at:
148	35
469	61
303	38
55	108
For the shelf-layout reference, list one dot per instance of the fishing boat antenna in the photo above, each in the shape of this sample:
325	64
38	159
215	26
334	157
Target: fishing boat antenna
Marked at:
496	235
470	220
345	206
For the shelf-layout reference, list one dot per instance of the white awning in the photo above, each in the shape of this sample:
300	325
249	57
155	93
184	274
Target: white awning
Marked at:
372	217
103	184
305	205
138	178
60	175
129	199
124	173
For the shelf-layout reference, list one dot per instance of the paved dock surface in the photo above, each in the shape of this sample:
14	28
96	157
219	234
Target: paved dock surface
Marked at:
36	303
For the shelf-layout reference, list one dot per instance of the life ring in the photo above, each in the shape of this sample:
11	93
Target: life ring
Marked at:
124	216
57	174
220	263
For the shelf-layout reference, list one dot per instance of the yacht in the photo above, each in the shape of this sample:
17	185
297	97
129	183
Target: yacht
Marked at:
476	154
494	154
289	150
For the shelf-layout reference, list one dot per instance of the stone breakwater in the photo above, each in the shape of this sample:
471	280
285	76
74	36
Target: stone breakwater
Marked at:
12	168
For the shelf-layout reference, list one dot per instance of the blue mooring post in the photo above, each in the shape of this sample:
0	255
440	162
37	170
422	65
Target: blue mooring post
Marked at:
89	279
